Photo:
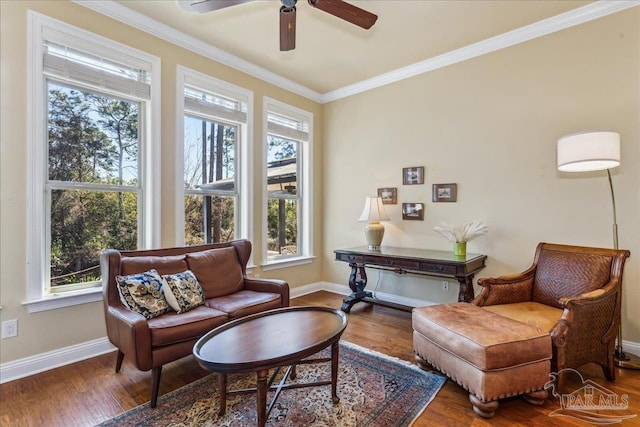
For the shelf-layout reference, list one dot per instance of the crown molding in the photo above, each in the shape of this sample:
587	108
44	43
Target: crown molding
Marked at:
590	12
144	23
565	20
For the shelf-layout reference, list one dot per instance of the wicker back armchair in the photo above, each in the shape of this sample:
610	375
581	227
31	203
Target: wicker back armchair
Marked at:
573	292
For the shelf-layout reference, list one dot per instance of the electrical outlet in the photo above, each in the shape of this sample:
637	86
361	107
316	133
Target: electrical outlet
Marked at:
10	328
445	286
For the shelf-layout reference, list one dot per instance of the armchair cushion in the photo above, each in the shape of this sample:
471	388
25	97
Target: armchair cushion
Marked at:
532	313
218	270
182	291
142	293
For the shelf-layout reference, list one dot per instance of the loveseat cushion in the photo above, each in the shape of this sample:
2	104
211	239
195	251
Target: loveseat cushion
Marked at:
532	313
243	303
171	328
162	264
218	271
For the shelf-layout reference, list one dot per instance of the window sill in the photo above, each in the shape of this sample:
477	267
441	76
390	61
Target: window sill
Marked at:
67	299
286	262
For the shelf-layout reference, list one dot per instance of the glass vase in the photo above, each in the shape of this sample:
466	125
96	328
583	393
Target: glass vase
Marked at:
460	248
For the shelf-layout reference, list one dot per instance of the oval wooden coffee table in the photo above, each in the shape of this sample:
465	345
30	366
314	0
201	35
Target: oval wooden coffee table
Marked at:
272	339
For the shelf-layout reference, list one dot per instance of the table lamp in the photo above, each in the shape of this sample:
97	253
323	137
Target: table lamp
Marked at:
594	151
373	213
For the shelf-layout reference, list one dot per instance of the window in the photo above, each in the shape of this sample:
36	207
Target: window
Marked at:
215	151
287	182
90	155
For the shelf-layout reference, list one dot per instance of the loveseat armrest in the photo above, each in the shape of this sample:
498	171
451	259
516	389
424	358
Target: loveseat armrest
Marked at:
129	331
507	289
276	286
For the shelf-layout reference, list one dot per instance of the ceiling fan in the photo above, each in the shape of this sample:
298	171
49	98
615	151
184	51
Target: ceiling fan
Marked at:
338	8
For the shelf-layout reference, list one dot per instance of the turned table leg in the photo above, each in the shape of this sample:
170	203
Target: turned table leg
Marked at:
222	389
262	396
334	372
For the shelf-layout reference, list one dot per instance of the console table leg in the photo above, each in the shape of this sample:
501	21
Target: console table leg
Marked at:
357	283
466	293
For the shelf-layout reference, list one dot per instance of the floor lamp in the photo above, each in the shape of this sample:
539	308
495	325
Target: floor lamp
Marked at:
594	151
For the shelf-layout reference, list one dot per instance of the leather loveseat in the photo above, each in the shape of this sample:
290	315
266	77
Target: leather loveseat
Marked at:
220	270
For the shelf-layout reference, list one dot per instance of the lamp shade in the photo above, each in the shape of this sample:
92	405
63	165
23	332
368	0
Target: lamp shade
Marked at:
589	151
373	210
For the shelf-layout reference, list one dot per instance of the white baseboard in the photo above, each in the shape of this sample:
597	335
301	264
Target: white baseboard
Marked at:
344	290
53	359
64	356
631	347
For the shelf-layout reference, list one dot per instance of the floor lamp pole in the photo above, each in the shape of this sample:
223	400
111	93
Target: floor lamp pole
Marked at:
623	360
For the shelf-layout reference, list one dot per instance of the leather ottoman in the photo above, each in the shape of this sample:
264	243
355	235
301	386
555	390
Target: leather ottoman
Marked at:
490	355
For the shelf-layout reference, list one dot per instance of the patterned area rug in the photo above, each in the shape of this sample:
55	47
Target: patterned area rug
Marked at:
374	390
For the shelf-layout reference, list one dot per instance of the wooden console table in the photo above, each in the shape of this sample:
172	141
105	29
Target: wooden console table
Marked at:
402	261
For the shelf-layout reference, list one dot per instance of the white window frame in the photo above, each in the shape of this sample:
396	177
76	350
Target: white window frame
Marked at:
38	297
244	152
305	182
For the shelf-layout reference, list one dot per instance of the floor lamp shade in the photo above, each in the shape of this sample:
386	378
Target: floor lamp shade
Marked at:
589	151
373	213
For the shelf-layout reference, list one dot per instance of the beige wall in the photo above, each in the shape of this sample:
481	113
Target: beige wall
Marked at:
46	331
490	124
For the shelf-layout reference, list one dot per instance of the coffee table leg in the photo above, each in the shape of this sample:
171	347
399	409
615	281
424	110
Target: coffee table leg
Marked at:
334	372
222	389
262	397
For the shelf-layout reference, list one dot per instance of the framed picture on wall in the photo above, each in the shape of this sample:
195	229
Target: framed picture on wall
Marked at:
413	211
445	192
413	175
389	195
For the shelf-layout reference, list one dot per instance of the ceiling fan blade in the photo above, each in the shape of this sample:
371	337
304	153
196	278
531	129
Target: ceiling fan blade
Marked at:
346	11
287	28
204	6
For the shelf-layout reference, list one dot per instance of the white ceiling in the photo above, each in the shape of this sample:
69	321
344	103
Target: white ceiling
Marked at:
332	55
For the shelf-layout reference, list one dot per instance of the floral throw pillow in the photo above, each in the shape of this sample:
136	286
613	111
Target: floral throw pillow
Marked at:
182	291
142	293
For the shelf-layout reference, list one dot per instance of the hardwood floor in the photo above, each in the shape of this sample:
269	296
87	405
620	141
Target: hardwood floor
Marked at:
89	392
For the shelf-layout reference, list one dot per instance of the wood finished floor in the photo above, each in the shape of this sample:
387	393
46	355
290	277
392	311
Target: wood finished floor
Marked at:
89	392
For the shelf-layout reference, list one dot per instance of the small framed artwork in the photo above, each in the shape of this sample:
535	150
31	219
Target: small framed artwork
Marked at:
413	211
445	192
413	175
388	195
